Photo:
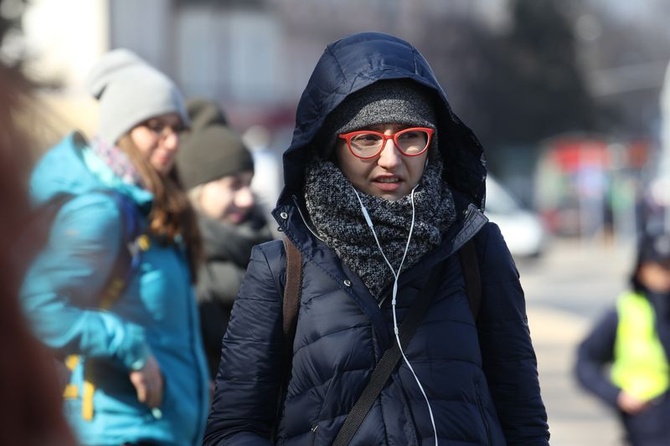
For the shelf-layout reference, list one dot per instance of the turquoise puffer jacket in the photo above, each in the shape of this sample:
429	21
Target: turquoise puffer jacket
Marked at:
156	313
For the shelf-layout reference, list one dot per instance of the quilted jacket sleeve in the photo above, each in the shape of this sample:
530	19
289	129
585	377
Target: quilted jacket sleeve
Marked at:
61	291
244	407
594	353
507	352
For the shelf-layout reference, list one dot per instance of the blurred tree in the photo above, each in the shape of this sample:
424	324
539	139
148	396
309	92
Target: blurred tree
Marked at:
466	59
518	85
543	79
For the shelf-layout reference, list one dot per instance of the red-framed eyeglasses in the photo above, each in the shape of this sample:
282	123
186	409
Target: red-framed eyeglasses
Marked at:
366	144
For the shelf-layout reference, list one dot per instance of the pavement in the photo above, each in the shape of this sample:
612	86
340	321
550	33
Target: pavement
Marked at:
575	418
591	275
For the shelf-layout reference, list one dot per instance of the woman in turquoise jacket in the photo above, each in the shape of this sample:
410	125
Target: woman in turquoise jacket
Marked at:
138	373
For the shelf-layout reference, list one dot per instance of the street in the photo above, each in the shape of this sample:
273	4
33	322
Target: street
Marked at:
566	290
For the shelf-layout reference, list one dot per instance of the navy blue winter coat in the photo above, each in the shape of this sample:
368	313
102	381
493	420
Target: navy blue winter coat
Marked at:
481	379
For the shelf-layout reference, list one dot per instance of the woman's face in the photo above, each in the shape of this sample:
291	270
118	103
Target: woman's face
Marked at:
157	139
390	174
229	198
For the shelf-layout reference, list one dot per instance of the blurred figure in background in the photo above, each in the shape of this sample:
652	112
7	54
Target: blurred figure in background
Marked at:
217	169
624	359
138	370
31	413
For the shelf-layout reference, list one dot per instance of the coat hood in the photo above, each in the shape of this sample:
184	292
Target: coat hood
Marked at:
357	61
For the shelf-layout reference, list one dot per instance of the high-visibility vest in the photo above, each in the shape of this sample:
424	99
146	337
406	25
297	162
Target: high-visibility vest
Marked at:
640	364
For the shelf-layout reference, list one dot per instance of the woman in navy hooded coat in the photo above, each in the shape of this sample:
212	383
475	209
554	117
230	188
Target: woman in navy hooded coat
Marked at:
382	183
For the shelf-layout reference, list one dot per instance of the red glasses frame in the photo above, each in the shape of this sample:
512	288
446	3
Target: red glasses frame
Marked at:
394	136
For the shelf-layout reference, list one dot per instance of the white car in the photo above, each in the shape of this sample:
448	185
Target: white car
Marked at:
523	230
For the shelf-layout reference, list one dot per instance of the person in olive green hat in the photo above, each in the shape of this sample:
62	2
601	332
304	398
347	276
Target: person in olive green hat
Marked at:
216	168
212	150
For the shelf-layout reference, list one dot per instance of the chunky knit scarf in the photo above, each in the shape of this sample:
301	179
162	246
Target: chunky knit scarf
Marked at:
336	215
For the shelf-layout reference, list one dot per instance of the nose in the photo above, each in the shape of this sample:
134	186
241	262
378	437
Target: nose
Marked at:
171	141
244	198
390	155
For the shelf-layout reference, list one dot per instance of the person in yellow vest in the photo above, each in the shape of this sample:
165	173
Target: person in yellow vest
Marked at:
624	358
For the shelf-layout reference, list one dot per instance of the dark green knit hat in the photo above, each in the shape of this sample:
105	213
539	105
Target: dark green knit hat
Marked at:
211	150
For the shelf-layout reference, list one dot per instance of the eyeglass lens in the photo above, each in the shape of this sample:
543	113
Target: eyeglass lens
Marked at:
410	142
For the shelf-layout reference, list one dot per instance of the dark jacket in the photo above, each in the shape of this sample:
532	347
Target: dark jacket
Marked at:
227	252
481	379
594	355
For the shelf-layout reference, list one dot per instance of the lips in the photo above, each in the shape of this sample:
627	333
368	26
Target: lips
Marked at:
388	184
388	180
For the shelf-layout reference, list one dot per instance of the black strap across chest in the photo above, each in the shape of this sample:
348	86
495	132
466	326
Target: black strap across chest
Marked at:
391	357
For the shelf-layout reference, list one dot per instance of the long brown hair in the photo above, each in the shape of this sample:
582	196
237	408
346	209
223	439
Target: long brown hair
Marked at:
172	214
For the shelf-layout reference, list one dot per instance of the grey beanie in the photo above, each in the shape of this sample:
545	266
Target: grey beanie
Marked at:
130	91
398	101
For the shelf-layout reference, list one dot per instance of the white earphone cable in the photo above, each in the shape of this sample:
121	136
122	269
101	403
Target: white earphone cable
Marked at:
396	274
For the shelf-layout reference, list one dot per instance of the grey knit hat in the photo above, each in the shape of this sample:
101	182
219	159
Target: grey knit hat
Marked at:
211	150
398	101
130	91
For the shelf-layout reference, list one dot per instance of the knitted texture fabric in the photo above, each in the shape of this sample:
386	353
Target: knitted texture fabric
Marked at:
336	214
401	102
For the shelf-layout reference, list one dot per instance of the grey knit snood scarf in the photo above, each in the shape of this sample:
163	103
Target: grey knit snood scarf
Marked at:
336	215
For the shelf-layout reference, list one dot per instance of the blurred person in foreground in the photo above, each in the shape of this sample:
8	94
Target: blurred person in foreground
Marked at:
383	185
216	169
624	358
30	413
138	370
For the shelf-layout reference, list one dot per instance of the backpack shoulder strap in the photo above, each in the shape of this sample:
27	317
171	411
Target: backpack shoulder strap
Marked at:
470	266
292	290
290	307
128	258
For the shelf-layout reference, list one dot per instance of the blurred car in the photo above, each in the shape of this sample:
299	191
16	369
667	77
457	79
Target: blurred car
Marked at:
523	230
